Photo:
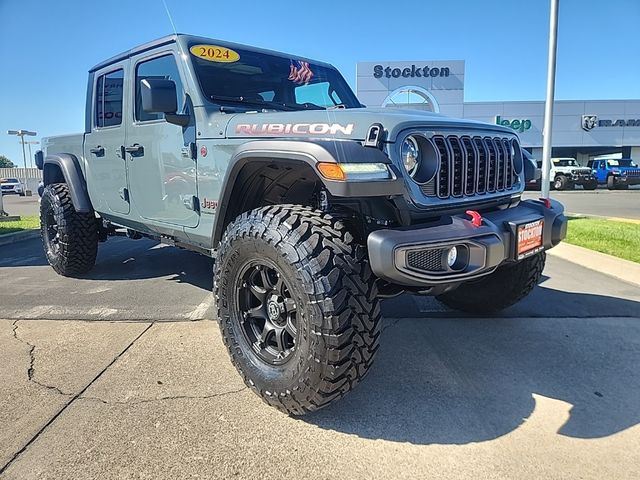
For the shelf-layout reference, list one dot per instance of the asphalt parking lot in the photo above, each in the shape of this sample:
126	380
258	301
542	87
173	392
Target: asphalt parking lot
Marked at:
122	374
17	205
600	202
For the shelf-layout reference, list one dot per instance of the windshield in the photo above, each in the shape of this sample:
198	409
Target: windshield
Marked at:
261	81
10	180
626	162
566	162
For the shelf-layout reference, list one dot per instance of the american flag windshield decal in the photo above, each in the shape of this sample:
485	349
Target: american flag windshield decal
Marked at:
273	82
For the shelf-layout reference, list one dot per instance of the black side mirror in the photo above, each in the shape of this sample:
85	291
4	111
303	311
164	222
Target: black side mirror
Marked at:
39	159
158	95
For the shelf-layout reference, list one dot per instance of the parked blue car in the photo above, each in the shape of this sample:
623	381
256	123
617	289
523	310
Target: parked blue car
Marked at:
616	173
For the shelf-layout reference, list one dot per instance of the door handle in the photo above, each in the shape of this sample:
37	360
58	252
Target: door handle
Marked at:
135	150
97	151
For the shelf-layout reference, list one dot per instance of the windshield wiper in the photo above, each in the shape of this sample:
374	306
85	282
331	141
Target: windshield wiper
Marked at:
242	100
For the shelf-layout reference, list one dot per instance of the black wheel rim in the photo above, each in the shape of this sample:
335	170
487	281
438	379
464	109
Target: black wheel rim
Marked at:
52	231
268	312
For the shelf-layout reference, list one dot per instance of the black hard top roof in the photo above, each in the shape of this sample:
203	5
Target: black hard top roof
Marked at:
185	39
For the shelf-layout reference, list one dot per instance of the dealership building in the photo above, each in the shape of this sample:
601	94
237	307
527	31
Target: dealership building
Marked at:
582	129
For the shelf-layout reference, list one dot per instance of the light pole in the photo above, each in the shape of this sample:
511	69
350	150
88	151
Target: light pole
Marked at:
32	142
21	134
548	106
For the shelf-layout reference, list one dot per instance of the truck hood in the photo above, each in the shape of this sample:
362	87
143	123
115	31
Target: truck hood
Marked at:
350	123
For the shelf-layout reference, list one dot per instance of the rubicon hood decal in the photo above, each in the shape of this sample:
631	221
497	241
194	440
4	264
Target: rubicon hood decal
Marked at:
294	128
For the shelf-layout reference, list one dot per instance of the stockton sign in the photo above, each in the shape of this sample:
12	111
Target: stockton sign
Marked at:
517	125
413	71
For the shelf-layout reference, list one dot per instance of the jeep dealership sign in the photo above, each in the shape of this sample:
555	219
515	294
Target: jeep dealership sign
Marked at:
517	125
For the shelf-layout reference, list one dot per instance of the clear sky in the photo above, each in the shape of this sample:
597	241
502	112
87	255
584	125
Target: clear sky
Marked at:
46	46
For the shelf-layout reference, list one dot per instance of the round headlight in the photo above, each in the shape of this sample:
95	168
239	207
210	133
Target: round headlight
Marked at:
410	153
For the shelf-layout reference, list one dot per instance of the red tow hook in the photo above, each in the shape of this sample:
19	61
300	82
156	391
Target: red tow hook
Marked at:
546	202
476	218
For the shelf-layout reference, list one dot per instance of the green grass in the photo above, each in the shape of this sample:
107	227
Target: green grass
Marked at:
25	223
606	236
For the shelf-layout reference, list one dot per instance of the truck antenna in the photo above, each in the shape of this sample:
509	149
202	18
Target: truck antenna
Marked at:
173	25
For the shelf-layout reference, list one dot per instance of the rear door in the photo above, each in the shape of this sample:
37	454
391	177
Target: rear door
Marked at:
106	166
162	172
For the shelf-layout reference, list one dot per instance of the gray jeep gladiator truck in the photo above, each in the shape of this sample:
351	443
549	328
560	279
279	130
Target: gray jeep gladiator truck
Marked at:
312	206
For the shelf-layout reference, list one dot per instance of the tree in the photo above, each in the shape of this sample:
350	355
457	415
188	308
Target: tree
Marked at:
5	162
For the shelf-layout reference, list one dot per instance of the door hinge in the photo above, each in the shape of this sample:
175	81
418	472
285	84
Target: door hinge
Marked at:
190	151
124	194
191	202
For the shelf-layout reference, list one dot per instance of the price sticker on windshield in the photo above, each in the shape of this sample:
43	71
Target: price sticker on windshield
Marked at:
215	53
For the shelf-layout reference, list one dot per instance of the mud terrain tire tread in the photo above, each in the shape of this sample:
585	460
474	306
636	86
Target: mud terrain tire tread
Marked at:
78	231
336	277
501	289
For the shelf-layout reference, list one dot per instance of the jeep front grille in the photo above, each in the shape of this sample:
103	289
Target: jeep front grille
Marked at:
471	166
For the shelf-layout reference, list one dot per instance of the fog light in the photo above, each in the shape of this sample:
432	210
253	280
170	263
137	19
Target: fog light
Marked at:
452	256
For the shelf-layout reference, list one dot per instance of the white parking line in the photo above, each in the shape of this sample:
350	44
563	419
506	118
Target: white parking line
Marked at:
200	310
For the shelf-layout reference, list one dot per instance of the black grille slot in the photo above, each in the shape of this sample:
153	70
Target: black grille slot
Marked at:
491	164
500	163
442	178
426	260
471	166
457	174
482	165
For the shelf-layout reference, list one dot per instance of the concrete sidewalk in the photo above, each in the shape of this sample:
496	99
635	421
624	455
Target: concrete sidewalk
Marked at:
463	398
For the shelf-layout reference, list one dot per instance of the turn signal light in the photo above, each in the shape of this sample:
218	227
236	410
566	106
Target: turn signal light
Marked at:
332	171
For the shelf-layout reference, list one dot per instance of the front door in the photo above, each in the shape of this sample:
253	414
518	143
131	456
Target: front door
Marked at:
162	172
106	166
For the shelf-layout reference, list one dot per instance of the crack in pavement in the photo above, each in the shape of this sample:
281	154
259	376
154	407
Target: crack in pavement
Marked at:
4	467
160	399
32	360
390	324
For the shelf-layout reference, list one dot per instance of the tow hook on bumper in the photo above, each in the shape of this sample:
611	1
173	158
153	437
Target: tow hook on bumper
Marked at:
455	250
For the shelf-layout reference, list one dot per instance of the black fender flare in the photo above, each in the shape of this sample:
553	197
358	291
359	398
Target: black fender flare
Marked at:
70	167
309	152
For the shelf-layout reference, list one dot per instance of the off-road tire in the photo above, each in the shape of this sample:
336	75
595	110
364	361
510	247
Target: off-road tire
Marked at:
506	286
561	183
592	185
74	250
338	329
611	182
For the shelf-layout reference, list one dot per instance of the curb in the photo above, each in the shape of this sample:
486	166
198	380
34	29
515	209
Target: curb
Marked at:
10	238
601	217
624	270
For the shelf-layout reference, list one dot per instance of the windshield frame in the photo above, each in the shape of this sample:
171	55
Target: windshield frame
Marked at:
345	93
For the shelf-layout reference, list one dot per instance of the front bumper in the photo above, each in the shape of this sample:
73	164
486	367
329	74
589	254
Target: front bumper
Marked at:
627	180
581	178
411	256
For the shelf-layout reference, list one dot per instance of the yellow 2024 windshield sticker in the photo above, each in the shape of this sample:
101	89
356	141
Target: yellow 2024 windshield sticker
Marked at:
214	53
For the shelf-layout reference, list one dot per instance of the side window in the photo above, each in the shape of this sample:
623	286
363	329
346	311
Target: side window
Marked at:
108	107
317	94
161	67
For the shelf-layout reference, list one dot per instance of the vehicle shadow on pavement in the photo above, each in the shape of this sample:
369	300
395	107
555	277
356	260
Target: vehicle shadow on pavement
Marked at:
148	259
462	380
124	259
